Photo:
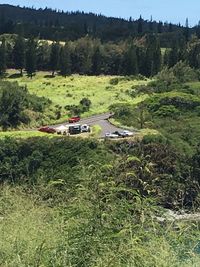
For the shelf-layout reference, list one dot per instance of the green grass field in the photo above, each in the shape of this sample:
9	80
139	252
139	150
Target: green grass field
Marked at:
23	134
70	90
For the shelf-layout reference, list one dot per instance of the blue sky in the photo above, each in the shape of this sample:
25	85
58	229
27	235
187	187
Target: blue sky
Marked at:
166	10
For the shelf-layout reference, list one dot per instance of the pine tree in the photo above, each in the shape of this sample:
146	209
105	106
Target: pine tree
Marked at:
173	55
170	27
166	58
94	29
149	64
65	61
140	25
83	56
31	57
85	28
54	57
153	58
19	54
157	58
96	61
160	27
131	61
197	30
2	58
194	56
187	31
151	25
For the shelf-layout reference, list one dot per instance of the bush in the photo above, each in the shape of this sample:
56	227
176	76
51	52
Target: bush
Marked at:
38	104
138	90
167	111
173	78
83	106
154	138
184	73
114	81
85	103
15	101
181	101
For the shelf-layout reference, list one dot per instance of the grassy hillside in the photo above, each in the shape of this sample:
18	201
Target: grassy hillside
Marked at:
70	90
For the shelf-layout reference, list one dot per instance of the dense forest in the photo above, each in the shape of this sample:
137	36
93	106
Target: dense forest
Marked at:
145	48
57	25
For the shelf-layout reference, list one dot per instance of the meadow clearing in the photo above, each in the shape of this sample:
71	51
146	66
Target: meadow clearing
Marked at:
70	90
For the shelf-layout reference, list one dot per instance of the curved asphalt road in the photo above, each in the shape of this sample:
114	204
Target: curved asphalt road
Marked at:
101	120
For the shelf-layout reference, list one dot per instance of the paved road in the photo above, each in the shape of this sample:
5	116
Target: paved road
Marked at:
107	127
101	120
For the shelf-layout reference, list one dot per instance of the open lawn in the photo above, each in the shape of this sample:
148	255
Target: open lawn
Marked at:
70	90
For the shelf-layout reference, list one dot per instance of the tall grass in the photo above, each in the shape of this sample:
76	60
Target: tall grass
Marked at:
81	233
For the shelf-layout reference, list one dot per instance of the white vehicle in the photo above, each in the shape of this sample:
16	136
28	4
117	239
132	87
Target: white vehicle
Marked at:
111	135
85	128
126	133
63	130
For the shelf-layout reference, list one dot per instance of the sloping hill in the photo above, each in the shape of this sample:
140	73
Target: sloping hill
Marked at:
51	24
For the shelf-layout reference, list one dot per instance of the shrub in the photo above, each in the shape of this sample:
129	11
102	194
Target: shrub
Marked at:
114	81
38	104
15	101
83	106
167	111
138	90
86	103
184	73
179	100
154	138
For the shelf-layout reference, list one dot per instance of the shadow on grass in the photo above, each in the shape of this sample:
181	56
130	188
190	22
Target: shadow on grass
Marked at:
49	76
15	76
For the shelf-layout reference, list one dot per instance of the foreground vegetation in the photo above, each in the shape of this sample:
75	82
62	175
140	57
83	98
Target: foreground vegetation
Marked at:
73	202
34	234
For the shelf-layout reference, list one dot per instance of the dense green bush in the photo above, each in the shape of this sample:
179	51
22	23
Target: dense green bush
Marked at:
14	103
181	101
167	111
38	104
184	73
44	159
139	90
125	113
114	81
174	78
40	161
154	138
83	106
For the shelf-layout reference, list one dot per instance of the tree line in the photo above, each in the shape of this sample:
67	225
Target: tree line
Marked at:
85	56
89	56
51	24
